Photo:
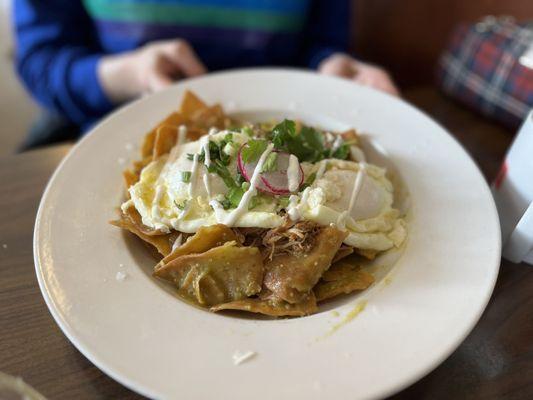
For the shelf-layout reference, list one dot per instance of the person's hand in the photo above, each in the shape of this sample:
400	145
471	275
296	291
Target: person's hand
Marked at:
148	69
366	74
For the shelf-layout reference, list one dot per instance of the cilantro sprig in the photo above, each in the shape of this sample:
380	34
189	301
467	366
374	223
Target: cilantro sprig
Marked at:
308	144
253	150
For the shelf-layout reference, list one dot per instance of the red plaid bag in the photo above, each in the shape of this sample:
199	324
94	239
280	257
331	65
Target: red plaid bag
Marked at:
489	67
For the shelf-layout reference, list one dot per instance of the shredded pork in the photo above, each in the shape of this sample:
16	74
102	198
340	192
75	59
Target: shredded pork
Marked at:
289	238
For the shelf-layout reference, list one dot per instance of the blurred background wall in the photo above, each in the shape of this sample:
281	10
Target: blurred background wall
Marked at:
405	36
16	109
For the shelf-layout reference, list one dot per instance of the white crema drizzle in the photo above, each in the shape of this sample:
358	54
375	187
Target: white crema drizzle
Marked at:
358	184
192	187
207	163
293	173
194	174
337	143
232	217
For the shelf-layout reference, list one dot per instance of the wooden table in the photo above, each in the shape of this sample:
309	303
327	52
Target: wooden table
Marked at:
494	362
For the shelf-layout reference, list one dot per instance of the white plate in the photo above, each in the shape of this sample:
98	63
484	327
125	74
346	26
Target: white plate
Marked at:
145	338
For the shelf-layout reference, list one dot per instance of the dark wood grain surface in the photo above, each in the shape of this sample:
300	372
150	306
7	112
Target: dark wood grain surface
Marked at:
494	362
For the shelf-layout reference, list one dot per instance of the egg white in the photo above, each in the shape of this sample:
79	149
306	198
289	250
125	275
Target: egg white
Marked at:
161	194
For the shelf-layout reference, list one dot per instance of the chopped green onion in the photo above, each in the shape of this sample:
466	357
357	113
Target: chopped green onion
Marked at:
186	176
283	201
254	202
181	205
309	181
247	130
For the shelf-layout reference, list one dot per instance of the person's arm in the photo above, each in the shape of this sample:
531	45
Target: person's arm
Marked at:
57	57
327	30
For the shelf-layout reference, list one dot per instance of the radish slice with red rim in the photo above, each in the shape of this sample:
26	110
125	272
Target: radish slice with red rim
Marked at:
272	182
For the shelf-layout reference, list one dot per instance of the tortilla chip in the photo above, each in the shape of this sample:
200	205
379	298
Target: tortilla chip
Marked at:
173	120
165	139
191	104
163	243
195	133
291	277
135	218
367	253
272	306
343	252
203	240
209	117
147	147
140	164
220	275
130	178
352	136
342	278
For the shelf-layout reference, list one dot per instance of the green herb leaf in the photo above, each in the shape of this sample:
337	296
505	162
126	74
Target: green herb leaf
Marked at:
247	130
221	170
309	181
254	202
186	176
313	138
253	150
271	163
283	201
234	196
342	152
226	204
201	156
282	133
181	205
240	179
307	145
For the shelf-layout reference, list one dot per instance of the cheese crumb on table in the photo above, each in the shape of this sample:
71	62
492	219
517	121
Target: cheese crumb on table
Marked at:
120	276
239	358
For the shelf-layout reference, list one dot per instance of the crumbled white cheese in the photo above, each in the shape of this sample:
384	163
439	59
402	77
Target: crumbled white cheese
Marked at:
239	358
331	186
229	149
120	276
316	197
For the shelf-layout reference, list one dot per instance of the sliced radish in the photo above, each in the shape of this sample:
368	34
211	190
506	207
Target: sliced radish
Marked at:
275	182
247	170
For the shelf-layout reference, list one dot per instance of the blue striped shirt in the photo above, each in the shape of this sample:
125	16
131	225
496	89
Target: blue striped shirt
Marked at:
59	42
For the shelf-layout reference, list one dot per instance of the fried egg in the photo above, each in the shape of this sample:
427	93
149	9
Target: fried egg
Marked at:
176	191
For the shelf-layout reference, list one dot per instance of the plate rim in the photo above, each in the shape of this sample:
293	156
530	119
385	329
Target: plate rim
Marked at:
147	392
